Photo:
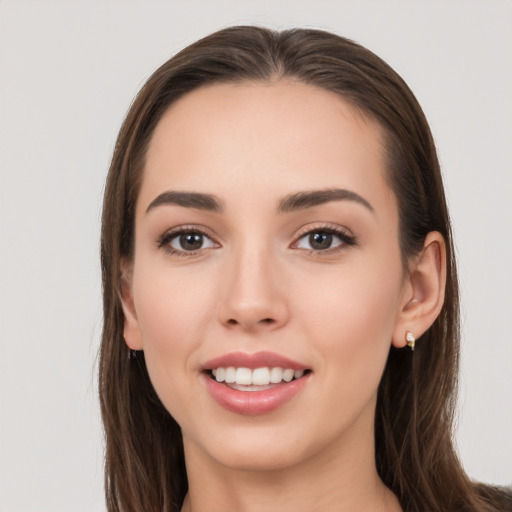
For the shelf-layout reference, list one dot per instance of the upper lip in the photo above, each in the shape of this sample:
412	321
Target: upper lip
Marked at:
253	361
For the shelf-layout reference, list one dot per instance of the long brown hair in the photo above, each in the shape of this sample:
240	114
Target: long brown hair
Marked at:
145	467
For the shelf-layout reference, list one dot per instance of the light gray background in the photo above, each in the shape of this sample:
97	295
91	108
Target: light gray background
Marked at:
68	72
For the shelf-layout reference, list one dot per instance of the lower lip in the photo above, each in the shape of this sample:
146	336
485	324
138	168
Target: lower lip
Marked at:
252	403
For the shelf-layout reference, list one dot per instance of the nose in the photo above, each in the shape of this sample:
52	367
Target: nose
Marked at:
254	293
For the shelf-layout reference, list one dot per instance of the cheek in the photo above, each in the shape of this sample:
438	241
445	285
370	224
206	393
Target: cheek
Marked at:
173	311
171	304
357	304
350	319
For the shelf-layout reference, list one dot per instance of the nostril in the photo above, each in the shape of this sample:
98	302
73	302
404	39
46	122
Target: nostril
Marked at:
251	324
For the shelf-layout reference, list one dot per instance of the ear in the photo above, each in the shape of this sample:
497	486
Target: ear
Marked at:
132	334
423	292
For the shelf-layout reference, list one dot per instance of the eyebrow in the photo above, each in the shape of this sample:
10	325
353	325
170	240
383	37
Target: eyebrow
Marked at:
290	203
303	200
196	200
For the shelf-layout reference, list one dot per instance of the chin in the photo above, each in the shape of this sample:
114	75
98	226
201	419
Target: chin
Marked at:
258	460
259	448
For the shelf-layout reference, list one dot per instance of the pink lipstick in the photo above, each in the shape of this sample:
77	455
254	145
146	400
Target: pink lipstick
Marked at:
256	360
253	384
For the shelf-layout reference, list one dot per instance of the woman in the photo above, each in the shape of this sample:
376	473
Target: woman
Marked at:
280	292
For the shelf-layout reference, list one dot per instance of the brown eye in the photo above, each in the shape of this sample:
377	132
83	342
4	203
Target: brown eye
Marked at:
190	241
320	241
324	239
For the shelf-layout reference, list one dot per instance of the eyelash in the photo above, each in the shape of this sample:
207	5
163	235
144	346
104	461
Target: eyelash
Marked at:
343	235
165	240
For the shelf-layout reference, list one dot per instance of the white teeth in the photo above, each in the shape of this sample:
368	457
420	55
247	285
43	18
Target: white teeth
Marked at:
261	376
276	375
288	375
243	376
220	374
258	377
230	375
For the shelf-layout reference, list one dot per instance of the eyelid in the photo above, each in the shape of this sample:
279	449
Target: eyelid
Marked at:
163	240
323	226
343	233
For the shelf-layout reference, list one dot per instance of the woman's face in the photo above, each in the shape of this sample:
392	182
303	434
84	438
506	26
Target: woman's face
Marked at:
266	237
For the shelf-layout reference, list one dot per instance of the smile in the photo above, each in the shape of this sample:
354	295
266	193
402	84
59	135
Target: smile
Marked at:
245	379
254	384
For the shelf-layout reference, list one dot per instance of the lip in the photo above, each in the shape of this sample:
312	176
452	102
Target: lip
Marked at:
252	403
253	361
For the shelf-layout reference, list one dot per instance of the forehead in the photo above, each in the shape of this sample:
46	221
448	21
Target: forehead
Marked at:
232	137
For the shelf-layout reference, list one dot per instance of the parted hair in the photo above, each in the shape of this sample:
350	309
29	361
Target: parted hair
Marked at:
144	461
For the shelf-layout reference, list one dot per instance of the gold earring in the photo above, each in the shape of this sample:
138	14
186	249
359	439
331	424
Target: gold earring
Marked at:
410	339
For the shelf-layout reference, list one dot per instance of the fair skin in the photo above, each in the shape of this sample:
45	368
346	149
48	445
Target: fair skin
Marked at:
321	283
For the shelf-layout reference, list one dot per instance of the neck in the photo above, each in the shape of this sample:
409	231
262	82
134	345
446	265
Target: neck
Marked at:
340	478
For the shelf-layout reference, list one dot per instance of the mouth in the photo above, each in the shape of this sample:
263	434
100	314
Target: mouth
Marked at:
254	383
257	379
